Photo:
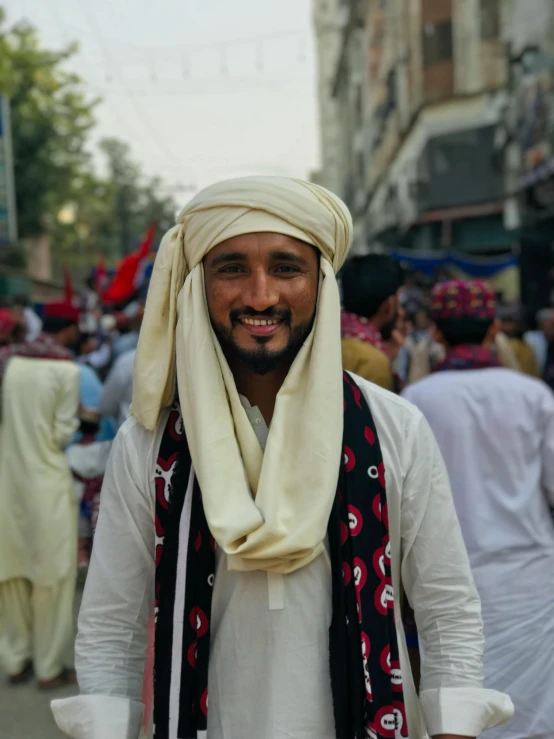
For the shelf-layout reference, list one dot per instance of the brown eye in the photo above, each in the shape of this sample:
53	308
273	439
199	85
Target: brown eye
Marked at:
287	269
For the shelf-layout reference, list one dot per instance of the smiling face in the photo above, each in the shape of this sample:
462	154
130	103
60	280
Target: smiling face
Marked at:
261	290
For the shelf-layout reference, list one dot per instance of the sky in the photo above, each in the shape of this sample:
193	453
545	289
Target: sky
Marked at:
202	90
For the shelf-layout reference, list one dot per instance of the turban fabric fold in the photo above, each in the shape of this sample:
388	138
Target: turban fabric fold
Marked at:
267	510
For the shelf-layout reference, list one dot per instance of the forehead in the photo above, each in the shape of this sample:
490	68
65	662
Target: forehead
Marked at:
260	246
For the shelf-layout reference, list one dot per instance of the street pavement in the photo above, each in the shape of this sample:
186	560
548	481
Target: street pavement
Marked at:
25	711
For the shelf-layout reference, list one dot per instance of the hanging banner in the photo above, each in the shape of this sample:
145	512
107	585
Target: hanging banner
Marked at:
502	272
477	267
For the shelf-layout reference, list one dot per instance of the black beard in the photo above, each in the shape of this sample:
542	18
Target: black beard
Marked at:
261	360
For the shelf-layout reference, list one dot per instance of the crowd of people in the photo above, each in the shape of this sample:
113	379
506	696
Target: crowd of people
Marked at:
262	513
446	348
65	374
389	331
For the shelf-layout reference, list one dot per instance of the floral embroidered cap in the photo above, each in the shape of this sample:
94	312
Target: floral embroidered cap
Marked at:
463	299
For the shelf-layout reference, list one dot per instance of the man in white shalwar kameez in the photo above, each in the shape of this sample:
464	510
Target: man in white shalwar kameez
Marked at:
38	540
253	511
495	428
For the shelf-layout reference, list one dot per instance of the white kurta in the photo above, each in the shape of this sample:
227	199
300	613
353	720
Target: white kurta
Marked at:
495	429
269	673
40	399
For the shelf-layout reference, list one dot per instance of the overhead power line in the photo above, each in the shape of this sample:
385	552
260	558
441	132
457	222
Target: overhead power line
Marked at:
141	114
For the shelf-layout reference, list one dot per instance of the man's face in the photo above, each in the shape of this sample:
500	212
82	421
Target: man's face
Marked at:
262	290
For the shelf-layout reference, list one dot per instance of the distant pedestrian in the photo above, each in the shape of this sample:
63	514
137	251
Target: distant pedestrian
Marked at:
495	428
8	326
371	310
511	322
32	322
541	338
38	538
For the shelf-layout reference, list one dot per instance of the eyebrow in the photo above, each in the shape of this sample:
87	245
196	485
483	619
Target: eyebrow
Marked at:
227	256
276	256
288	256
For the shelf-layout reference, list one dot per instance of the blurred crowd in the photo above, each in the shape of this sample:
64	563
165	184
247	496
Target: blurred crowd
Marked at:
389	334
101	341
388	337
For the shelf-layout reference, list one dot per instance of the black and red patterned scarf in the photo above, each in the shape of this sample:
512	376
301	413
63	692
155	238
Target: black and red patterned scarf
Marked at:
366	678
468	356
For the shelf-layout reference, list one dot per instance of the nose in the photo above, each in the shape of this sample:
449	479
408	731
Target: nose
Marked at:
260	292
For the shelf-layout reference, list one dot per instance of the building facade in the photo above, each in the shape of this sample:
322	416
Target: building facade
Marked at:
329	18
442	120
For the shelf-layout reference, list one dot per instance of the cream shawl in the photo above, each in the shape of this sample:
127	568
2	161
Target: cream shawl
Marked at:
267	510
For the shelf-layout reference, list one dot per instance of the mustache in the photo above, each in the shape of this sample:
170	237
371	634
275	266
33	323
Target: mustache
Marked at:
283	315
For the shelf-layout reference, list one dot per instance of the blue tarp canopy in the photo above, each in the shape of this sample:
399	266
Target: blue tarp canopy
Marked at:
429	262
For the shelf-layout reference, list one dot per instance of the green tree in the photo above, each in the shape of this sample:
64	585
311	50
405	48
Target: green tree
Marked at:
51	119
136	200
112	213
52	116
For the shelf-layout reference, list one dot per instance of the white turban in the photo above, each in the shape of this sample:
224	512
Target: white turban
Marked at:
267	510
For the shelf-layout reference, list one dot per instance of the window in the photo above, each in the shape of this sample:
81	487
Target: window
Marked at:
437	42
490	19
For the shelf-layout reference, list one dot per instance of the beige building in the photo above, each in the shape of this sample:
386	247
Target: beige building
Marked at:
421	92
329	17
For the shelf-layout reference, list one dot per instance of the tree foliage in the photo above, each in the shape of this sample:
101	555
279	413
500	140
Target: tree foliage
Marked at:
51	118
136	200
54	170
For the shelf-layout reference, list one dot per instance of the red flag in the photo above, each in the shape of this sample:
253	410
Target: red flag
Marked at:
129	275
69	293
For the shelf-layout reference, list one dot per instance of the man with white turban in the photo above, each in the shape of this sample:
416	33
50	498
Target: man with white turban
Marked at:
246	502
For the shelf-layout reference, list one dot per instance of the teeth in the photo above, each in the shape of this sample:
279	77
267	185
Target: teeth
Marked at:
257	322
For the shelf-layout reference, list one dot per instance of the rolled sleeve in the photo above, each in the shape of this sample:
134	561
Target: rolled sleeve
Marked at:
440	587
464	711
98	717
